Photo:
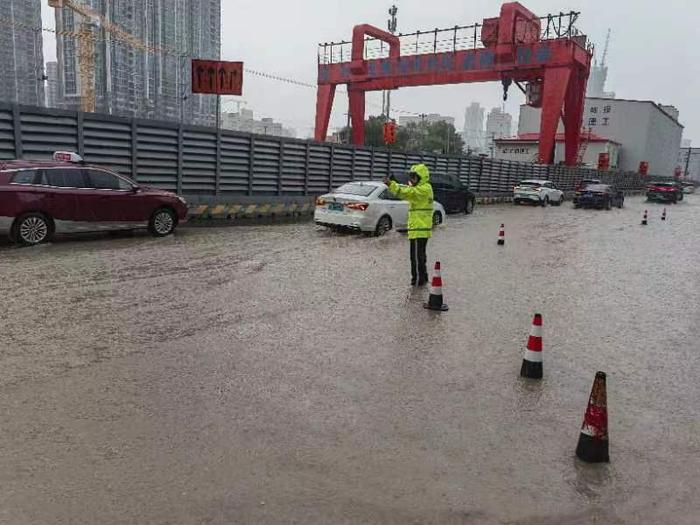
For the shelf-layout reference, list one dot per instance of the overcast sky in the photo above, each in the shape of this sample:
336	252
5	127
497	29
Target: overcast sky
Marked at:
653	54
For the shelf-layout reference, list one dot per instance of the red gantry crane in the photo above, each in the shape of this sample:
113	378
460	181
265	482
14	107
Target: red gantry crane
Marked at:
547	54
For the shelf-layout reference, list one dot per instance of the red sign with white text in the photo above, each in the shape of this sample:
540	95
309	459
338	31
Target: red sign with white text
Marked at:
215	77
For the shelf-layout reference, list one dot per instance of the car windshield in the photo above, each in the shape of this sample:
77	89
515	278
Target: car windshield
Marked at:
357	188
530	184
663	184
596	187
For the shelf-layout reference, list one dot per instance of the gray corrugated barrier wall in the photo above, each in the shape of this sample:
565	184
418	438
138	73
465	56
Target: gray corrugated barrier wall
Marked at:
206	165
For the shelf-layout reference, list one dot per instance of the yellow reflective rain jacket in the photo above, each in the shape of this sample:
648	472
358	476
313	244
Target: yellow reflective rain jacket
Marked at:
420	201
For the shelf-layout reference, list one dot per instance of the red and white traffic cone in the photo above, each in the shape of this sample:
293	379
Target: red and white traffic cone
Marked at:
502	235
663	215
593	446
435	301
532	361
644	219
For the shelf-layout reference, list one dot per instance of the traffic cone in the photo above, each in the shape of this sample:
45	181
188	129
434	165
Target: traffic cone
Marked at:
644	220
593	441
435	300
532	361
663	215
502	235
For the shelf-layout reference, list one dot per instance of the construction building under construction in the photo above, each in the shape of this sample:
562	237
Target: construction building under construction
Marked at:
130	81
21	58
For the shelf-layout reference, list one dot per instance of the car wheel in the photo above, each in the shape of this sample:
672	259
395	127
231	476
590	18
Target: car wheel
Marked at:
545	201
32	229
383	226
437	218
469	207
162	223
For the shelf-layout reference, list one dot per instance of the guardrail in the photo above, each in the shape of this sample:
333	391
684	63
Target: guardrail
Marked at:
207	165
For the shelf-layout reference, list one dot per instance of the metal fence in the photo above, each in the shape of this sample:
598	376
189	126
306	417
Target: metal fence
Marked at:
202	162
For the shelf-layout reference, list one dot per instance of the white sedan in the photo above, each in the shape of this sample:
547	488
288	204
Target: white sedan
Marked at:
540	192
366	206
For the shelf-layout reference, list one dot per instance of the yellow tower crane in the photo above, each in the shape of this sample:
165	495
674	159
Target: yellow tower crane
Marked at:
86	46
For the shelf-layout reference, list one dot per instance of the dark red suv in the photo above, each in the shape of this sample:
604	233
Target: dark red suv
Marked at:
38	199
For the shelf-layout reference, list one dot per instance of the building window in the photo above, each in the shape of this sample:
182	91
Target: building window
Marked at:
594	109
606	121
592	121
607	109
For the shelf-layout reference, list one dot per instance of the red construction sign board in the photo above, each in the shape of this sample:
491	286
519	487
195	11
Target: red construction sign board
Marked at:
216	77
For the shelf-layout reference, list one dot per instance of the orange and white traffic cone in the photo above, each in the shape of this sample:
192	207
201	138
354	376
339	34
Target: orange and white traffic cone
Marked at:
663	215
435	301
644	219
532	361
593	441
502	235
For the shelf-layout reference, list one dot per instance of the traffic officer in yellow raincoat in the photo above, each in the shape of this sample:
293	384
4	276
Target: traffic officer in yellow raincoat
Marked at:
419	194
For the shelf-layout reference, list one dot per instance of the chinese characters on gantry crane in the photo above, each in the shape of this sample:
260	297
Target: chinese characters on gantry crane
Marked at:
554	62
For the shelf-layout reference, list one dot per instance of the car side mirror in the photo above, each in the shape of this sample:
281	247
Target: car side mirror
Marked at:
135	189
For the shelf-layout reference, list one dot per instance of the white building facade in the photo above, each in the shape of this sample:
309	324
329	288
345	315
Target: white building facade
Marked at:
645	131
526	149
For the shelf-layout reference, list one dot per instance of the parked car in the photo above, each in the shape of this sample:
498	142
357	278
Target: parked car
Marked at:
452	194
540	192
599	196
688	187
39	199
665	191
366	206
587	182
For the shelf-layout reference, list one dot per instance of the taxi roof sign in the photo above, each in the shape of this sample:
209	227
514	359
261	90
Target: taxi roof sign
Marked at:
68	156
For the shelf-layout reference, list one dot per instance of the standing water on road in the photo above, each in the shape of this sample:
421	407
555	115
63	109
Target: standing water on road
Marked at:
285	374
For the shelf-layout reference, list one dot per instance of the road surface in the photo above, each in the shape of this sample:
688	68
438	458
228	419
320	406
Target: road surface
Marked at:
284	374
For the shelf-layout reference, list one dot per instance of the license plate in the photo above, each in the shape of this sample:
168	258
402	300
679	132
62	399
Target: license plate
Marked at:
334	206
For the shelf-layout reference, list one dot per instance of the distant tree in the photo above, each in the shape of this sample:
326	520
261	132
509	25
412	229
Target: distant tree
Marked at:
437	137
374	132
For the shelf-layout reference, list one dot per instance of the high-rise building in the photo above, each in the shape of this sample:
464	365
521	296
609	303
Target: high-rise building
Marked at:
499	124
599	75
132	82
52	100
473	134
21	53
244	120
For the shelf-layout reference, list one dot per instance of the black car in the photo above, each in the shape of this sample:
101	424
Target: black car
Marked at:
452	194
599	196
587	182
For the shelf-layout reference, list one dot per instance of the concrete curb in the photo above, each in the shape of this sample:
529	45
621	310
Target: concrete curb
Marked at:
236	211
246	211
494	200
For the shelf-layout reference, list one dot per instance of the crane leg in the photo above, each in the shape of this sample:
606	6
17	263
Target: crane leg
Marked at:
573	115
357	114
324	105
556	81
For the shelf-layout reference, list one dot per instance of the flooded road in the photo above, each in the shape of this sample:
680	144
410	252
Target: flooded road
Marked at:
283	374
